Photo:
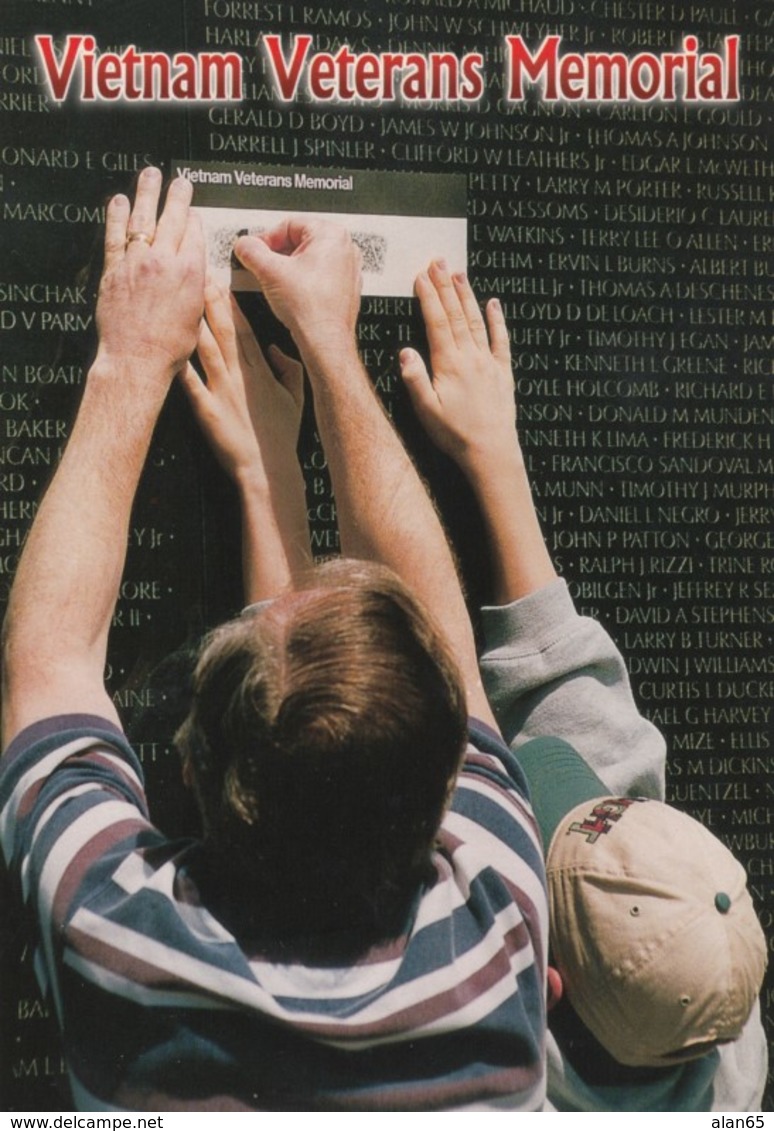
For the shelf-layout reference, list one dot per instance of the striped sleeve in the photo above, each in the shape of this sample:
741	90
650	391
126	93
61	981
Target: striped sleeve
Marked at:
71	789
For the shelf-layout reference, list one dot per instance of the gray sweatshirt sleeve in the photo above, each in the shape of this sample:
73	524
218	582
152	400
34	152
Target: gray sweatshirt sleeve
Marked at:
549	671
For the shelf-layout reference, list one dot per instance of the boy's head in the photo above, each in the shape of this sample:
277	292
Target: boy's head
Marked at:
324	737
653	930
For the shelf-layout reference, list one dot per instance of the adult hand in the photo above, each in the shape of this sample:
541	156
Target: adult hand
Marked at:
250	416
309	271
152	288
467	407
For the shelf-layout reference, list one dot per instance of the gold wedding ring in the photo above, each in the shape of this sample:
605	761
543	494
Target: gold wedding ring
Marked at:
142	236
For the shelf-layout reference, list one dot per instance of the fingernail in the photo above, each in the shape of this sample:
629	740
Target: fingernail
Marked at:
460	278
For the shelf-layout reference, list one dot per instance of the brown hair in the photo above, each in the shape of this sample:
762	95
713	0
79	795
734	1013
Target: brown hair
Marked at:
325	733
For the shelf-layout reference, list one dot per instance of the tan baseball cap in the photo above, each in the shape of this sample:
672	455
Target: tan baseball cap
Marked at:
652	929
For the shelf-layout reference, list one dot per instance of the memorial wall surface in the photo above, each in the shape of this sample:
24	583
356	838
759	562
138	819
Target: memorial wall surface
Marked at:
629	238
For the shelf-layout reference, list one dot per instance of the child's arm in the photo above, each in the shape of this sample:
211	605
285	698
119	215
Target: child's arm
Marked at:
547	670
468	409
251	419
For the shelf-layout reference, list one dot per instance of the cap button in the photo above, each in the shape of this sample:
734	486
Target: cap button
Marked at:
722	902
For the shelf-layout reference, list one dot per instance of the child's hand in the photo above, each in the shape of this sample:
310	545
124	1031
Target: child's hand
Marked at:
249	412
468	406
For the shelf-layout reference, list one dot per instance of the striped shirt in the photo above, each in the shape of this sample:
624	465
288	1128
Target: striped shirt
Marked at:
161	1008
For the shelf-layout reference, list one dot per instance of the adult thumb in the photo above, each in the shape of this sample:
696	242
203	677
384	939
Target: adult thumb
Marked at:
259	260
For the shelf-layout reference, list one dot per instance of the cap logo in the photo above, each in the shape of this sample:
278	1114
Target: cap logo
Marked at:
602	817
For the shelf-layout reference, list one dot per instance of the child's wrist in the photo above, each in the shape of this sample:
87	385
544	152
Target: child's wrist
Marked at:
484	459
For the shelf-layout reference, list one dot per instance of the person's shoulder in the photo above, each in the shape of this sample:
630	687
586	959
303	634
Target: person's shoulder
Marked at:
72	809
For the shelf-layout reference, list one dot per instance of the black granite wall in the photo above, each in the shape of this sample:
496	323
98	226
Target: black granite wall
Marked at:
631	245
